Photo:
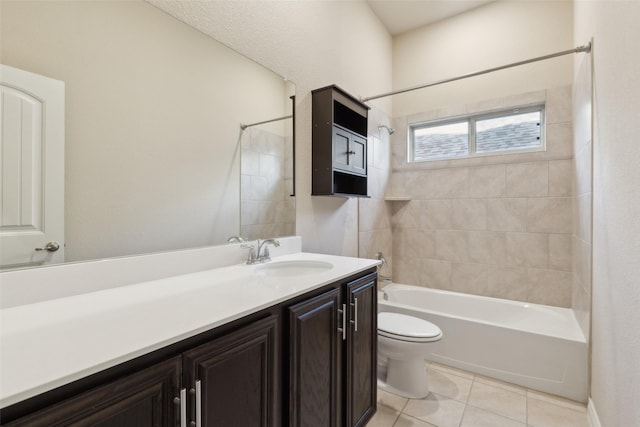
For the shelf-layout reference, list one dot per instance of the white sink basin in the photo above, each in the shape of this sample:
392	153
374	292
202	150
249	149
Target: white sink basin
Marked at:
293	268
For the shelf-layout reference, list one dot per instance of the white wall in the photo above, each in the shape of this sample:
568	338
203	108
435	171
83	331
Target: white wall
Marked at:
493	35
615	388
314	44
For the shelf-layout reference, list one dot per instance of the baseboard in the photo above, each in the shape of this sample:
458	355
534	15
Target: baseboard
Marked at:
592	415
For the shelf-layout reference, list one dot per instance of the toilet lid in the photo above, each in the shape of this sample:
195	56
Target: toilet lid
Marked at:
407	328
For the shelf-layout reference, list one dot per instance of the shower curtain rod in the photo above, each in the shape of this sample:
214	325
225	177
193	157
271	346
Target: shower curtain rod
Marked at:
243	127
585	48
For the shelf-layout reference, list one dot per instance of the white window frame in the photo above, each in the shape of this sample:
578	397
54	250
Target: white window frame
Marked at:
471	120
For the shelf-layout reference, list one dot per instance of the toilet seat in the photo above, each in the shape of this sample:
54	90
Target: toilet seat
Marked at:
407	328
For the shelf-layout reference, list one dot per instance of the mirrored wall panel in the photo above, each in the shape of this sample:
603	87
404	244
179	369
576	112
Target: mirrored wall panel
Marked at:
153	143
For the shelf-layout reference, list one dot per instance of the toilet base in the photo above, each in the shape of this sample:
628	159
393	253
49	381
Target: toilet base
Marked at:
406	378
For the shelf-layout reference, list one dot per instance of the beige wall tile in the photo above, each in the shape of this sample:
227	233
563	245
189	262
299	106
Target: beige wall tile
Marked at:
398	152
559	140
527	249
583	220
507	214
375	241
406	215
583	170
420	184
487	181
469	278
436	274
451	183
558	105
549	287
366	214
452	245
436	214
560	173
419	243
549	215
365	240
406	270
398	245
487	247
396	185
560	252
582	257
507	282
527	179
469	214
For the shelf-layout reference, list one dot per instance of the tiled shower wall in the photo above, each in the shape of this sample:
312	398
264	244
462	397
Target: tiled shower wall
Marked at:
374	231
499	225
267	208
582	191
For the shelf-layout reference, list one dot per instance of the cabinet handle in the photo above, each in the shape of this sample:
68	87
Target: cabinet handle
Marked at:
355	314
351	152
182	401
198	403
344	321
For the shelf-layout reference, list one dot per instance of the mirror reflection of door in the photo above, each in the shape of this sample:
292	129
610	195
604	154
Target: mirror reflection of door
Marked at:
32	177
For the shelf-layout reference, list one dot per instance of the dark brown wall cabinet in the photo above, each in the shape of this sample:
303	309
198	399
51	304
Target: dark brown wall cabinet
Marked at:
339	138
236	375
333	344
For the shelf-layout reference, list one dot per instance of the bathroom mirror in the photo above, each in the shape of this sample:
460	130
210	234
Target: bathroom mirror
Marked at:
153	138
267	191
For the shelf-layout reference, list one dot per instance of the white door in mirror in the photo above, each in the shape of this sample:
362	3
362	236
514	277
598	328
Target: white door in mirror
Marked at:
32	177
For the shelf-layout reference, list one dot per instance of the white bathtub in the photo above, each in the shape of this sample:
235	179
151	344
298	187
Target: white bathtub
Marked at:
535	346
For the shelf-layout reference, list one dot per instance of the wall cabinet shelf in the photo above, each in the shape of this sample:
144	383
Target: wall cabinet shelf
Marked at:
339	143
307	361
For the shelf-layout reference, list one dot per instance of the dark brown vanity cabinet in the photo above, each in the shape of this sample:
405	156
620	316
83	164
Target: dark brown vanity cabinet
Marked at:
361	350
333	347
308	361
231	380
143	398
339	143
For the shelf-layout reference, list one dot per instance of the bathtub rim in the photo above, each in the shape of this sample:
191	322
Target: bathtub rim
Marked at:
579	338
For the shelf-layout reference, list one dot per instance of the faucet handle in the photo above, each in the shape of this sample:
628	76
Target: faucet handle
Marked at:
265	255
251	257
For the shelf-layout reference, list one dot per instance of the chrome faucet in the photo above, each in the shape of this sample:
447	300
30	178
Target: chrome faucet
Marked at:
236	239
265	252
260	252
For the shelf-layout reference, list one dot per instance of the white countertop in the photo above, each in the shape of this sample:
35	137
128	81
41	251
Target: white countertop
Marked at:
51	343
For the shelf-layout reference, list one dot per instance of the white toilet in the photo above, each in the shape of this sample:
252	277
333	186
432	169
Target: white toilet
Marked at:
403	343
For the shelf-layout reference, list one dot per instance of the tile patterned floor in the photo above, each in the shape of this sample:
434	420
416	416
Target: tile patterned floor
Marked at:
463	399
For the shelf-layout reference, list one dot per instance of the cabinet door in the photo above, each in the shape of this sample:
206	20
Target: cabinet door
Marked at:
315	358
361	355
145	398
341	149
358	156
232	379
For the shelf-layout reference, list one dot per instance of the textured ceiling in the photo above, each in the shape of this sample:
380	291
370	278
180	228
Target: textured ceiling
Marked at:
399	16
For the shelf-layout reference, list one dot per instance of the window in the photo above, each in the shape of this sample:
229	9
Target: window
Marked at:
506	131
